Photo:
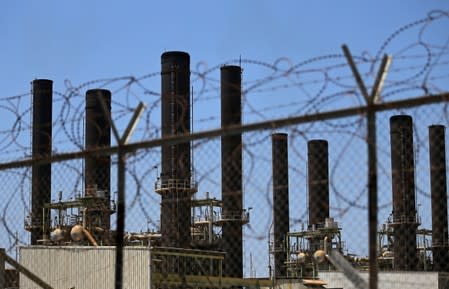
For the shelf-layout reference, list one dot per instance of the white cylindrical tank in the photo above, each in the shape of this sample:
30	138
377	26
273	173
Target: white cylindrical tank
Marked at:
77	233
301	258
319	256
57	235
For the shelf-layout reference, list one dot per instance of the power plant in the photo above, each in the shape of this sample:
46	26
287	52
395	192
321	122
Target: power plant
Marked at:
76	237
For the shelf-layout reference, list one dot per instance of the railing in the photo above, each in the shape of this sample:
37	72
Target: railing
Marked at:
236	216
404	219
175	184
440	244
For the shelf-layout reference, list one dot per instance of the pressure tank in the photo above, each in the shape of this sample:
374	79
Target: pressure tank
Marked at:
57	235
77	233
301	257
319	256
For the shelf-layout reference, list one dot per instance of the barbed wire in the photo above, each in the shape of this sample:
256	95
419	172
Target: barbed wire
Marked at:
278	89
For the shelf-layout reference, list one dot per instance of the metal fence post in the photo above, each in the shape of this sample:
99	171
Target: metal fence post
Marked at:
121	166
371	100
120	217
2	268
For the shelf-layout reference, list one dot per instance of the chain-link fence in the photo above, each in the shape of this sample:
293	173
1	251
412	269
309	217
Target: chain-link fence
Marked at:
260	177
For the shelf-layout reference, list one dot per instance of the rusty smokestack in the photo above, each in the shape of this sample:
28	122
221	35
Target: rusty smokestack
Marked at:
318	181
231	170
403	184
281	215
175	180
318	186
97	168
438	189
41	147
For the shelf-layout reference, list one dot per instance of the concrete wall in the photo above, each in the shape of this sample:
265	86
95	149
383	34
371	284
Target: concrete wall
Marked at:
392	280
84	267
288	284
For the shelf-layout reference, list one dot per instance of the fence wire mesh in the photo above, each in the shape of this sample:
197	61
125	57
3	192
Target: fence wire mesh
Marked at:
200	180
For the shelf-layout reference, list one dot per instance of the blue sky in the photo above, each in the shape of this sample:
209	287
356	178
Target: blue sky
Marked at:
84	40
87	40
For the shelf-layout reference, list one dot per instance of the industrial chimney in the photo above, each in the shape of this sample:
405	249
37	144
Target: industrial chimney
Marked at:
175	185
97	168
231	170
403	182
318	186
41	148
281	215
438	190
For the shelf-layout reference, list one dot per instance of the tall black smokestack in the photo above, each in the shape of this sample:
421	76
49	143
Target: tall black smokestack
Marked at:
97	169
175	177
438	188
231	169
403	182
41	147
318	181
281	215
318	185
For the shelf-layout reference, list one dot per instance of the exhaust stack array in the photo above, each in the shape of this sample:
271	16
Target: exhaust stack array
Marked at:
403	181
41	148
281	214
438	189
98	168
231	170
175	184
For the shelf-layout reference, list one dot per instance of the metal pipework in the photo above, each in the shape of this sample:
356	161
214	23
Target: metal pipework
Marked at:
231	169
403	183
281	216
438	190
176	159
97	169
41	148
